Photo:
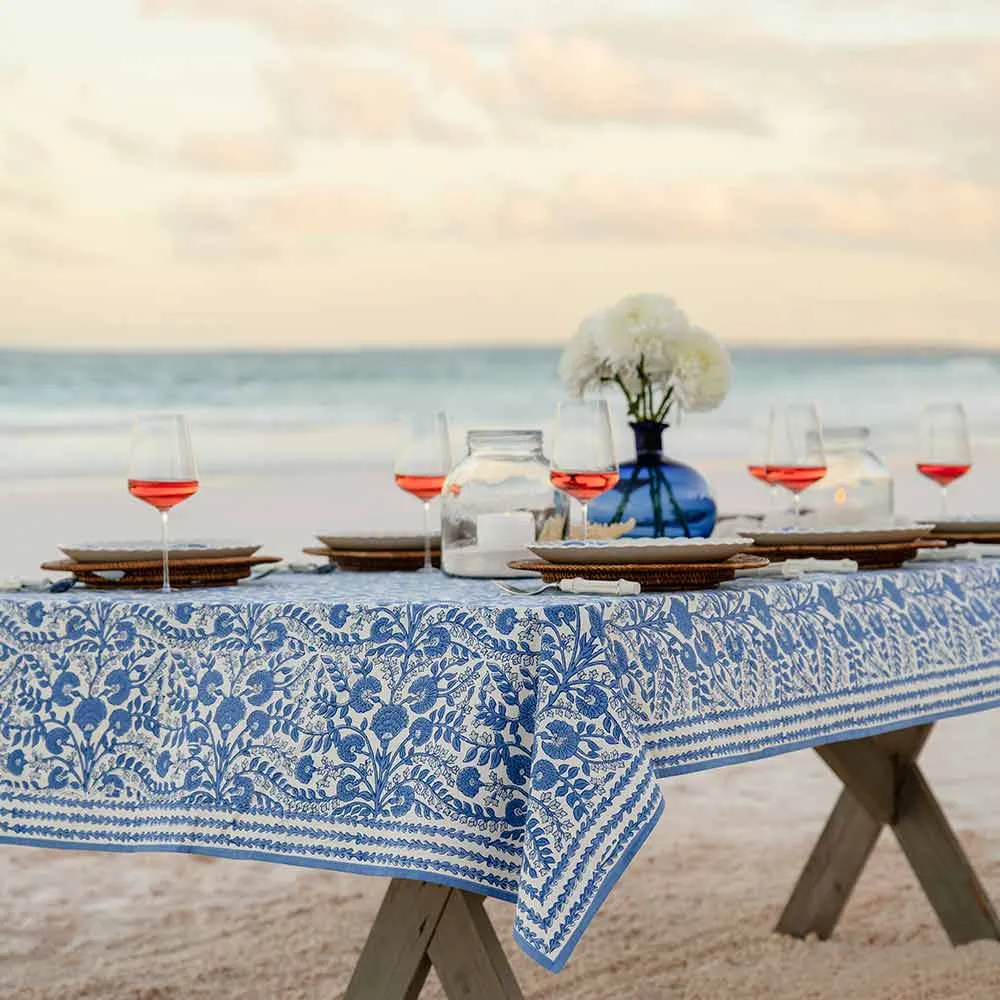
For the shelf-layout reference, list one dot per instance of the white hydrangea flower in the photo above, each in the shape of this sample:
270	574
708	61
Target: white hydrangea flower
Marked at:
703	371
650	331
641	327
581	367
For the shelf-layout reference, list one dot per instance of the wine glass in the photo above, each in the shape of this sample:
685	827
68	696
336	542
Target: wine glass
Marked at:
583	453
757	459
795	456
162	469
945	454
423	461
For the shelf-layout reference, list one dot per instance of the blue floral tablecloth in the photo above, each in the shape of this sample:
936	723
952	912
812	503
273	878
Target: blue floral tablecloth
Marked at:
439	729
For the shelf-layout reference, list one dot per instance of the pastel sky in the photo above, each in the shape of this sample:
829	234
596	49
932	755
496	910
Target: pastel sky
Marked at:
270	173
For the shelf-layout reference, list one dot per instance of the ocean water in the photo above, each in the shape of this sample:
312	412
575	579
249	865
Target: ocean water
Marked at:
69	414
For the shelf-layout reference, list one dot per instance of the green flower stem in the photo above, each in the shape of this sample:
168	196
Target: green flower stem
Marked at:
633	404
647	389
673	501
654	472
664	407
643	405
640	370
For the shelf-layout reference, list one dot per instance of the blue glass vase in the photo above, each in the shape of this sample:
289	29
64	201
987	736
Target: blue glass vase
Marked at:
666	498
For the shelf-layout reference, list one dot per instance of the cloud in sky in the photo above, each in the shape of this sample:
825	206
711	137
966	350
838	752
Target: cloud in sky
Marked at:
235	153
319	97
577	81
925	213
124	143
27	200
293	221
583	80
203	132
22	154
919	213
35	248
296	22
882	91
539	81
201	231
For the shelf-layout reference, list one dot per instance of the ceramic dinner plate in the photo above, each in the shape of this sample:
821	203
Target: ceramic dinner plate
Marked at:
194	548
867	534
376	541
973	523
642	550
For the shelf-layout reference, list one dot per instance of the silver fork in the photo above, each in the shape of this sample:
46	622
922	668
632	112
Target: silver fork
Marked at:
525	591
575	585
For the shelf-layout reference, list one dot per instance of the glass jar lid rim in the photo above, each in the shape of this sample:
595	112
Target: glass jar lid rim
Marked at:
516	436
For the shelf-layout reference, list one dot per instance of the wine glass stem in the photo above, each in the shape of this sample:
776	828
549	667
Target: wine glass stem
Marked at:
166	561
427	534
944	501
583	507
797	504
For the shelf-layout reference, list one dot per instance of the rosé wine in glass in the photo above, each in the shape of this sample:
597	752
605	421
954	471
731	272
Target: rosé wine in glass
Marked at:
584	486
795	478
163	494
795	458
942	473
422	487
583	456
162	469
945	453
422	463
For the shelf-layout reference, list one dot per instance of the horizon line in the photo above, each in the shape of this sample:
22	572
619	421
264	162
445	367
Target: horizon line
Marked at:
877	347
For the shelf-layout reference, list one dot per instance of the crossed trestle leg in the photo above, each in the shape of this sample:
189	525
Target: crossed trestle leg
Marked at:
883	786
421	924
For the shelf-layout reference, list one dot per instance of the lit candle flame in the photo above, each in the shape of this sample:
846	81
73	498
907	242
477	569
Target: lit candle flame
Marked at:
840	496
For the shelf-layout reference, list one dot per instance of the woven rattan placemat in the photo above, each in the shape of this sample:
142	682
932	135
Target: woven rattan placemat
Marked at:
375	560
652	576
147	574
869	555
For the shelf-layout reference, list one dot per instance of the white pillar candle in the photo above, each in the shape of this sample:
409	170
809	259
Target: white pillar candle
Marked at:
504	531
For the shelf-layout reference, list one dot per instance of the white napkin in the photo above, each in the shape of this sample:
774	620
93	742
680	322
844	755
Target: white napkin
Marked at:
614	588
792	569
13	585
971	551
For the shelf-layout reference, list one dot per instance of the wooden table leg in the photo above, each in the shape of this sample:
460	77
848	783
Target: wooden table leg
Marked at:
833	869
421	924
883	786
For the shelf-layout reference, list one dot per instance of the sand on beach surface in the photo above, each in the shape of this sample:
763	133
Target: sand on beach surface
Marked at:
690	920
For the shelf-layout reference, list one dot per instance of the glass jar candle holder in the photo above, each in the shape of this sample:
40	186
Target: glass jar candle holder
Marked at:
857	487
496	502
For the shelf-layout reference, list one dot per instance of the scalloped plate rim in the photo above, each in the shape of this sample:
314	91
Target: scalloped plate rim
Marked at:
181	548
641	550
388	541
632	542
842	535
986	524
